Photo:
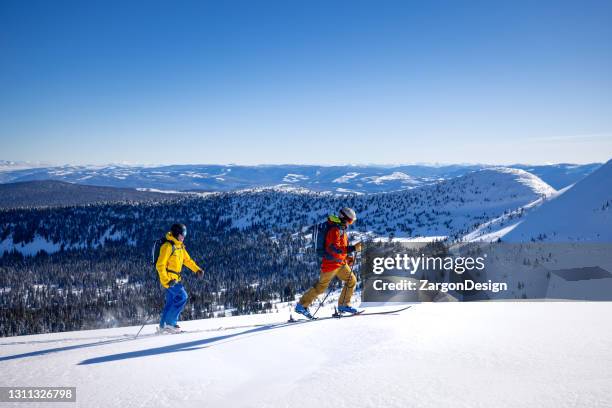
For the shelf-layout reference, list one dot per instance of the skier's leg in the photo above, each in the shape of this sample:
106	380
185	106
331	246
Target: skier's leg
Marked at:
318	288
167	307
170	305
181	302
350	281
178	304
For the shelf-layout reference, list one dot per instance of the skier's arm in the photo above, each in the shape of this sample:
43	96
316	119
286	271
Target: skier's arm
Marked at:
164	254
190	263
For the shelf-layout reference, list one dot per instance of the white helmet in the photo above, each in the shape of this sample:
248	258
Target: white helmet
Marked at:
348	214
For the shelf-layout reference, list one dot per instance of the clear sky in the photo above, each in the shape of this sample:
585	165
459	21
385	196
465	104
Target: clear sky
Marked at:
327	82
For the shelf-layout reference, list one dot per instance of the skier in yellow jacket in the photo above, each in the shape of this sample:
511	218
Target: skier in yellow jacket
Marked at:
172	257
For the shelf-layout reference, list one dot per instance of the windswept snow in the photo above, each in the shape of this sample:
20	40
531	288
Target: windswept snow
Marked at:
480	354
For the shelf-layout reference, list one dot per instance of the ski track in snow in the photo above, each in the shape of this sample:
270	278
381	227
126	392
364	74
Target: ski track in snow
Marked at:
480	354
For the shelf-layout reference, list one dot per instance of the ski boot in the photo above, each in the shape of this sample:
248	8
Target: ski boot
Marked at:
175	329
303	311
347	309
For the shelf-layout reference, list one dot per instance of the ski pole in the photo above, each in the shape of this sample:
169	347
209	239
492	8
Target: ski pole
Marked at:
331	287
144	324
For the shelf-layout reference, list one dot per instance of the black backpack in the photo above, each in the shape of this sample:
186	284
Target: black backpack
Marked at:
319	232
157	246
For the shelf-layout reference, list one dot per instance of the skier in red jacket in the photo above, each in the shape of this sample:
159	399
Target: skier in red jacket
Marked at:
335	263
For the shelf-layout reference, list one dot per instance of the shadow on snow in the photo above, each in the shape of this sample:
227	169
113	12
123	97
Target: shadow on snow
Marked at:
186	346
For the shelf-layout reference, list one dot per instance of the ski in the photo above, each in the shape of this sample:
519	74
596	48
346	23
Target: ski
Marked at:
386	311
339	315
161	332
360	313
301	319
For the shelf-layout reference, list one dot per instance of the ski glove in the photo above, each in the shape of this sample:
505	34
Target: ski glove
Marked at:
358	246
200	274
171	283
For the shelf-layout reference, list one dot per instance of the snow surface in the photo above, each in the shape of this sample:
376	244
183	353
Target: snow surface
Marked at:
479	354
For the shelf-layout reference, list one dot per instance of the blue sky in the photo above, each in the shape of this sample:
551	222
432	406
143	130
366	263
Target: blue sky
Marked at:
327	82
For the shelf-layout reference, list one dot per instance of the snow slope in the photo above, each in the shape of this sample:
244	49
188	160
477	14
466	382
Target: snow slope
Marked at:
583	213
479	354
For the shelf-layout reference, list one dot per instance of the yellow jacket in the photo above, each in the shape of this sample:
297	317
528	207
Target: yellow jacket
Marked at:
170	264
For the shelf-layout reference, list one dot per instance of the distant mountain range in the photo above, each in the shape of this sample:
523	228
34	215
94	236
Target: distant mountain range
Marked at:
450	208
52	193
485	204
339	179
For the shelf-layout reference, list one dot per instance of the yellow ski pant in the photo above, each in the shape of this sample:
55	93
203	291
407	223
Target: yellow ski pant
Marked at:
345	274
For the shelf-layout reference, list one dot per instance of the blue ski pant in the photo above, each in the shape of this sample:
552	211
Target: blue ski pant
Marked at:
176	298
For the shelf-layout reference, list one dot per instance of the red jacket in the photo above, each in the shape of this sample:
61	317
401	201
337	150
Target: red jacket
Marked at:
336	247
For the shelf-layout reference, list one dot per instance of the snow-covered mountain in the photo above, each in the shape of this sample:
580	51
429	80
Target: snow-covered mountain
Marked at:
342	179
446	208
531	354
559	175
582	213
450	208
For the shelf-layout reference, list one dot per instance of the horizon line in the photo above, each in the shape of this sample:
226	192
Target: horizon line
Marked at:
45	164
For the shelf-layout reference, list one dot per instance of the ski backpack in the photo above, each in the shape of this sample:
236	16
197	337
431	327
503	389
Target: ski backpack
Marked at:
157	244
318	237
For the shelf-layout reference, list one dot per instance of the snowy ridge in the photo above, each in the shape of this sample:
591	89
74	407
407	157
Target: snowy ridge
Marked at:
582	213
533	182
